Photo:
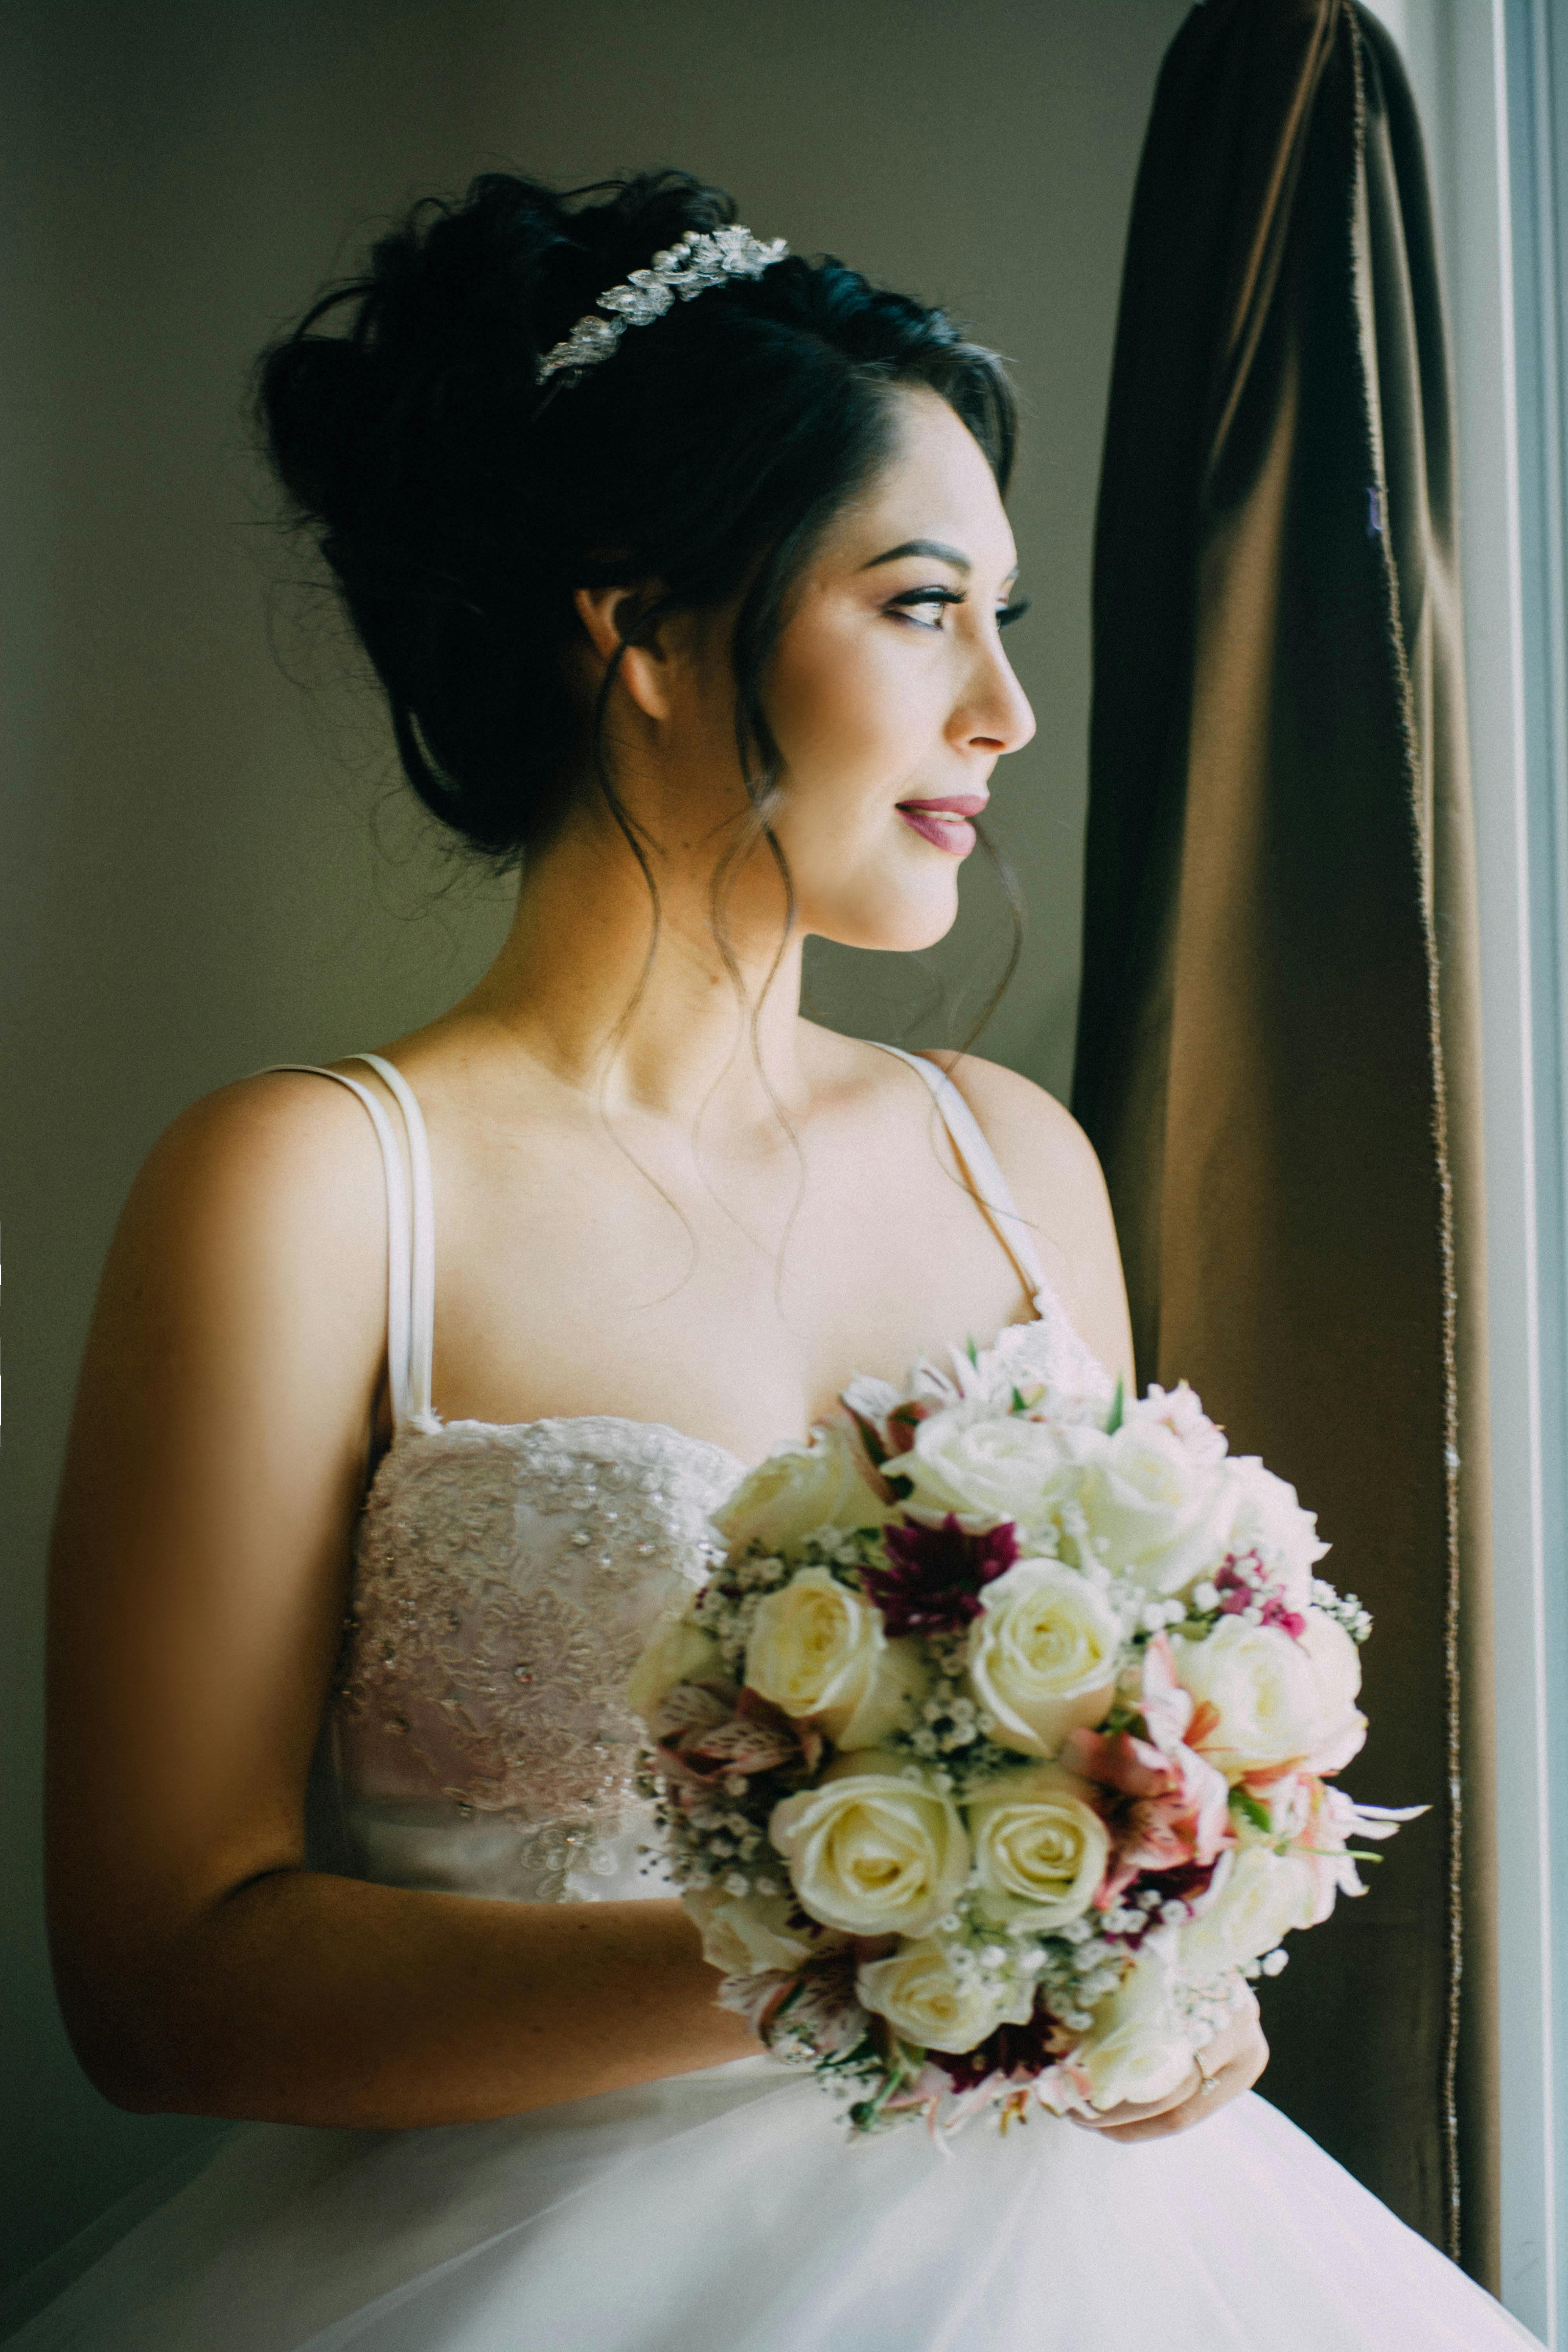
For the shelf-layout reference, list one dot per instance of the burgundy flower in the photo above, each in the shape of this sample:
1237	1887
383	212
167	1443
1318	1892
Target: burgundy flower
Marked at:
1184	1881
1017	2052
932	1581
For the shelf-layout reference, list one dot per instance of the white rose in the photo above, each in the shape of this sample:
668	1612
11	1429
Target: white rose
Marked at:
1043	1654
1040	1851
818	1648
925	2000
1157	1508
1260	1686
1336	1669
1136	2051
799	1488
1268	1519
869	1852
1278	1701
677	1651
813	1642
992	1467
744	1934
1264	1896
901	1672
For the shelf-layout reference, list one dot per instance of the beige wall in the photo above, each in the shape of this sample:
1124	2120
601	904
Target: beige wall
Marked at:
203	867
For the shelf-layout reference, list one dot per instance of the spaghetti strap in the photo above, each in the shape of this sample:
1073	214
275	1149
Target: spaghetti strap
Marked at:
399	1289
977	1163
422	1269
411	1222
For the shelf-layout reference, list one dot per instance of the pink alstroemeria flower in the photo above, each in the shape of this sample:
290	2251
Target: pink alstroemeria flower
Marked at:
886	1421
1321	1821
709	1733
1176	1807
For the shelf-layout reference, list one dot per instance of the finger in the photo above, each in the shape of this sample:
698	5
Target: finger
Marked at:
1227	2082
1196	2108
1135	2111
1227	2065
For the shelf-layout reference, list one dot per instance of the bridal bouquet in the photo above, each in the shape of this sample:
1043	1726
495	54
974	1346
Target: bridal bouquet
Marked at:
994	1756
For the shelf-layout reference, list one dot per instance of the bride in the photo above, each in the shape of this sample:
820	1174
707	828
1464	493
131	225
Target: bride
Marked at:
414	1380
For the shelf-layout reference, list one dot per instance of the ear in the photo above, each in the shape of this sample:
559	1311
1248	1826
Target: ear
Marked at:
607	615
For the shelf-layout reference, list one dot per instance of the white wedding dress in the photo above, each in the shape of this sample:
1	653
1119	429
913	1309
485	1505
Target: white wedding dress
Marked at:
505	1578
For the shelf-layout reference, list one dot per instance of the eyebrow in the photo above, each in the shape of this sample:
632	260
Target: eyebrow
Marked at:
943	554
933	547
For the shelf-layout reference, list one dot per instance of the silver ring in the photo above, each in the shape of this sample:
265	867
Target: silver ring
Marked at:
1207	2081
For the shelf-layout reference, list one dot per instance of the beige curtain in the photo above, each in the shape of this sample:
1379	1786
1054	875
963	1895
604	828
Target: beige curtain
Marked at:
1277	1044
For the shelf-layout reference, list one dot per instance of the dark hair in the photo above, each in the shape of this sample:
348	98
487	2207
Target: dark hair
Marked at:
458	503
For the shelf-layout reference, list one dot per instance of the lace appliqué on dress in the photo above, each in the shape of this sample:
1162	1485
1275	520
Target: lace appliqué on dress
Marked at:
506	1583
1051	1354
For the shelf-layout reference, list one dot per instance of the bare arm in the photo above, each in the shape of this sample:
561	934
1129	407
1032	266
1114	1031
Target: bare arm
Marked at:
198	1572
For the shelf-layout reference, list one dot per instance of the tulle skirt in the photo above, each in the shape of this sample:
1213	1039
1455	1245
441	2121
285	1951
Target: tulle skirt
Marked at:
726	2211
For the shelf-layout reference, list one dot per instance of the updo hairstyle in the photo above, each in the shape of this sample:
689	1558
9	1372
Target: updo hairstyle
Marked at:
458	502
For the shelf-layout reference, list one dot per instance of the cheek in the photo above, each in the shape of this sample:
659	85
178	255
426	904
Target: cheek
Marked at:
856	718
851	718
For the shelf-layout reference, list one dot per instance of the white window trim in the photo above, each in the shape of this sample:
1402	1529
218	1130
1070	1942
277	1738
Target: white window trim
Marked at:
1483	72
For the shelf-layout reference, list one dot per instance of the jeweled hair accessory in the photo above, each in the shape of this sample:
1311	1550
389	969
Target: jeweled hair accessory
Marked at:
703	257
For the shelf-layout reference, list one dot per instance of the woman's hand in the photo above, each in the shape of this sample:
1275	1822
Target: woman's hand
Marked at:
1229	2064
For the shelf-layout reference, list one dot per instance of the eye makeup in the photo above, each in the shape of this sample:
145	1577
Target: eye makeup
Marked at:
914	598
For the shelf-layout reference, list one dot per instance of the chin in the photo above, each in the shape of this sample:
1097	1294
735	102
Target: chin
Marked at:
888	921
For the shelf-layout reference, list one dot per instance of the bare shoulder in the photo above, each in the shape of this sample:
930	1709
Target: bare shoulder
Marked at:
1055	1177
255	1231
1022	1118
281	1145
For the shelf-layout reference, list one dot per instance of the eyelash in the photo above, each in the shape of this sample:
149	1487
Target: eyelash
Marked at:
1007	614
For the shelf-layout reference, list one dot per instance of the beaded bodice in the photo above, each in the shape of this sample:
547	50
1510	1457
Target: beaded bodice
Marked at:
506	1578
506	1581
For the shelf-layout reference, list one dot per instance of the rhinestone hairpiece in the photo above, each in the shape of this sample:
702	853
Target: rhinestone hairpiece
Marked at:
703	257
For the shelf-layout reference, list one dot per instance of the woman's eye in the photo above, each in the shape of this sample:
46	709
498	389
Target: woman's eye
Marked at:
924	606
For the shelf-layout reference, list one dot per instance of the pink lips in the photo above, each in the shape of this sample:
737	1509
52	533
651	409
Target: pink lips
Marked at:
945	822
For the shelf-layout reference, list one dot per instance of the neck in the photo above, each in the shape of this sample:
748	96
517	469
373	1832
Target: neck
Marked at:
573	990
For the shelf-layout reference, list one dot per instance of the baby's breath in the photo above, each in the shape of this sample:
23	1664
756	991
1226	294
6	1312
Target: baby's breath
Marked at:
1345	1609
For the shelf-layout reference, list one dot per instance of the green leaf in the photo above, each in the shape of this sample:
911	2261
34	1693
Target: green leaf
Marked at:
1118	1410
1243	1802
1019	1404
870	1439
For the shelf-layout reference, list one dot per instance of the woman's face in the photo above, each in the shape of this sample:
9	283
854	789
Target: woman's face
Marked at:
890	694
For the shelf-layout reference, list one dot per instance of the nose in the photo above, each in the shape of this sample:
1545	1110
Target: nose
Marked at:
995	715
